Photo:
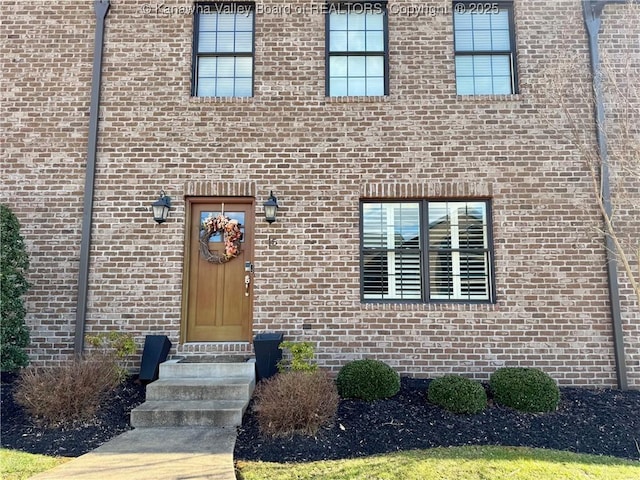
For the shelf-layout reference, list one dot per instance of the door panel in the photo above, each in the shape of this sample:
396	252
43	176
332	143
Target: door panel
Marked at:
218	305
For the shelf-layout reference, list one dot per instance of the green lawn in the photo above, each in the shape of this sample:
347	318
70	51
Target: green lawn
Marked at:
16	465
458	463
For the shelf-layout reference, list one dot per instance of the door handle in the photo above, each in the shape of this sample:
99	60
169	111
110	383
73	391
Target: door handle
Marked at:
247	282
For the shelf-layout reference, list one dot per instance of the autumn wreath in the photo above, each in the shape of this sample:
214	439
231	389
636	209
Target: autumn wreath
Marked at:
231	234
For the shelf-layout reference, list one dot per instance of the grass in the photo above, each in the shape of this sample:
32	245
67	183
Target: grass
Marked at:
456	463
16	465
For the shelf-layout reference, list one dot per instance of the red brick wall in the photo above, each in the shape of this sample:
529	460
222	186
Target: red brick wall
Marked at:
320	155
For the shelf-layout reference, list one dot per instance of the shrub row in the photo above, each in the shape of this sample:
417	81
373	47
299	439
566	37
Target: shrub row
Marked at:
523	389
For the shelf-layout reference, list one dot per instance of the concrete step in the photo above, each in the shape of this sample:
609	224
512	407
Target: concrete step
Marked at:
228	388
182	369
210	413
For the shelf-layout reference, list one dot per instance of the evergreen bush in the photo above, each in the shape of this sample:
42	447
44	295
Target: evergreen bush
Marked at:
14	263
525	389
457	394
367	380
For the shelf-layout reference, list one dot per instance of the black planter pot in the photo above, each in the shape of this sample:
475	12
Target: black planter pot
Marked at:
267	349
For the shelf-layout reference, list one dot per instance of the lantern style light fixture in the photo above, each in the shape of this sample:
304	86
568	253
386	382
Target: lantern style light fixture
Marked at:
271	208
161	208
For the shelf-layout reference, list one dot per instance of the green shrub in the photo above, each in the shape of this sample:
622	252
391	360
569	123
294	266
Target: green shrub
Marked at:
14	262
117	345
71	392
525	389
295	402
367	380
457	394
301	357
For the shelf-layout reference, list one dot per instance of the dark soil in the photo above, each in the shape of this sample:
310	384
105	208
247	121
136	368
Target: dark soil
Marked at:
603	422
599	421
19	432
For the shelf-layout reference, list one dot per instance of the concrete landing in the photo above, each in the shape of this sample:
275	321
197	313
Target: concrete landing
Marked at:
156	454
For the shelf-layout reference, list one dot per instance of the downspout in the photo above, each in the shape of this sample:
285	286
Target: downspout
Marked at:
592	10
101	8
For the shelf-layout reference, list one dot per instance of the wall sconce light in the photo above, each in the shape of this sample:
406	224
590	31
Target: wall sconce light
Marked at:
271	208
161	208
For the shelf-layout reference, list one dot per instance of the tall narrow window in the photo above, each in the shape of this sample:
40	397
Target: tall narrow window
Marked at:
357	52
426	251
223	51
484	48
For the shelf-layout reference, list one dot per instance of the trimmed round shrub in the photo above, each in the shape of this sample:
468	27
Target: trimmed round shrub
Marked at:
367	380
525	389
457	394
295	402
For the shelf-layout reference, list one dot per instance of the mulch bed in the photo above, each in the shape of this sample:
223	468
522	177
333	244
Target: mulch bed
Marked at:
602	421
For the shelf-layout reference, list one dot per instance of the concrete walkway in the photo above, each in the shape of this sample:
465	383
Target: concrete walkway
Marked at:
172	453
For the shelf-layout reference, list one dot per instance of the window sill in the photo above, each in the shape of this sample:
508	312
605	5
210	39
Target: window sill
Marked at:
358	99
433	307
516	97
232	100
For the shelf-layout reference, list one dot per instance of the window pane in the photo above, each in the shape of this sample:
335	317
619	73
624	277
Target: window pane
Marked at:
338	21
482	40
226	22
338	41
502	85
206	87
207	42
462	21
244	42
226	66
482	65
464	85
243	87
225	42
391	255
464	66
500	20
356	66
244	23
356	21
207	22
458	251
483	85
375	42
338	66
500	40
374	21
207	67
357	86
357	41
464	40
338	87
244	67
225	87
375	66
481	21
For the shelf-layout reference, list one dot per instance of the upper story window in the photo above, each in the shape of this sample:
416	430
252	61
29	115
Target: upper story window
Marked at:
357	49
484	48
223	50
426	251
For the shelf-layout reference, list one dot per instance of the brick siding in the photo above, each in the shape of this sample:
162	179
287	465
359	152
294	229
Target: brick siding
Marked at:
321	156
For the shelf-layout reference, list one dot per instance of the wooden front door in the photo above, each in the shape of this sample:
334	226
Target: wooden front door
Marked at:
217	297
